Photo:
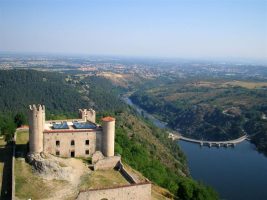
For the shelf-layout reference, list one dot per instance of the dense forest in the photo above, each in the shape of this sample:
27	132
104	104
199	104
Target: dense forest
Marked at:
20	88
143	146
214	110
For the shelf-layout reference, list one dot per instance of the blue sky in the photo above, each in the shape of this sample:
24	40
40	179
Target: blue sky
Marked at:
160	28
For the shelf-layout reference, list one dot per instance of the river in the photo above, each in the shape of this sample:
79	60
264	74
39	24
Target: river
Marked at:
238	173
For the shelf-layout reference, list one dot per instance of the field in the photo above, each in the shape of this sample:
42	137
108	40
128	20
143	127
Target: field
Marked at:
247	84
100	179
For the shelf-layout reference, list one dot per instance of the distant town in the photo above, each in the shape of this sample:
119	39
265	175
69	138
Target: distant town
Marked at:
146	68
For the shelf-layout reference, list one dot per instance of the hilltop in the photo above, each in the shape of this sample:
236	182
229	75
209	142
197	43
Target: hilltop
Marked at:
142	146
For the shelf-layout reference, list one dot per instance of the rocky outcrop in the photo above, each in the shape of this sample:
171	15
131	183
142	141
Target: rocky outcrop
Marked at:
50	167
97	156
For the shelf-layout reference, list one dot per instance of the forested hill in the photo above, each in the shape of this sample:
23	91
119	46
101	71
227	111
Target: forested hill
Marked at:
20	88
209	109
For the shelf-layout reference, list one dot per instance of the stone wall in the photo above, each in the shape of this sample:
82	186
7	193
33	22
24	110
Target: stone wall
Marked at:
65	148
140	191
126	174
107	163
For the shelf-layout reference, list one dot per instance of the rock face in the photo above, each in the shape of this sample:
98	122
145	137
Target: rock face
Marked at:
50	167
97	156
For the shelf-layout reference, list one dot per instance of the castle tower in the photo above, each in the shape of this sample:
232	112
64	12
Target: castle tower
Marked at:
90	115
36	128
82	114
108	136
87	115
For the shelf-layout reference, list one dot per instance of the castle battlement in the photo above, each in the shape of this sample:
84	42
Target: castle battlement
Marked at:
39	107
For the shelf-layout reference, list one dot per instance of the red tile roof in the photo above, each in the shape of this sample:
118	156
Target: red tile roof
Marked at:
108	119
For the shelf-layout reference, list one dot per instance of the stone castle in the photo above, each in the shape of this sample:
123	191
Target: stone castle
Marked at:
71	137
81	138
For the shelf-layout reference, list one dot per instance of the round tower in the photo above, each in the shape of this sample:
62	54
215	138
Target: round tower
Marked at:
108	136
36	128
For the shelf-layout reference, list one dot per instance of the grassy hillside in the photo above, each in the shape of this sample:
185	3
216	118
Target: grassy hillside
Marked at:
150	151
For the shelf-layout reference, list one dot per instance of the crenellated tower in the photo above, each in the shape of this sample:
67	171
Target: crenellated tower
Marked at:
108	136
36	127
87	115
90	115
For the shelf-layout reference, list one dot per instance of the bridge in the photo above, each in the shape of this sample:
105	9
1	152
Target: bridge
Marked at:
176	136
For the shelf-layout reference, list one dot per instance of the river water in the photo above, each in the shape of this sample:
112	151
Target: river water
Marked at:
238	173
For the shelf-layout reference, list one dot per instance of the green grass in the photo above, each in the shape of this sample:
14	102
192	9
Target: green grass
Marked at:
2	142
22	137
29	185
100	179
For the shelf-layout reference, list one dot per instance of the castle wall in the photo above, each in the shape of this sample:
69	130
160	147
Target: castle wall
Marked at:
129	192
99	140
65	148
107	163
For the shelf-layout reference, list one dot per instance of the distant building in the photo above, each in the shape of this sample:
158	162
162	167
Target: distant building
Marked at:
71	137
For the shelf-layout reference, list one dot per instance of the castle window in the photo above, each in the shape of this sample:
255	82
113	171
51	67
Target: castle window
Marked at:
57	153
58	143
72	143
86	152
86	142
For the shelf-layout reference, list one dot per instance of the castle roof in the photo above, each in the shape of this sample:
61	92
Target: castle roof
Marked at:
61	126
108	119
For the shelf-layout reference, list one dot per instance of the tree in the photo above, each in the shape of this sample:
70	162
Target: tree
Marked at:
8	130
19	119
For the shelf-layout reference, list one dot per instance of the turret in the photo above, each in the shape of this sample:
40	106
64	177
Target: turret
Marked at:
108	136
82	114
90	115
36	128
87	115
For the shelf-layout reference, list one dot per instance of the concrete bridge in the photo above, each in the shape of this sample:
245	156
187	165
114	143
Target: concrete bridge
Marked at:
209	143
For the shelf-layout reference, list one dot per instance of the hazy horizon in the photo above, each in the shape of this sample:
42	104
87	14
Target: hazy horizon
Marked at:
210	29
